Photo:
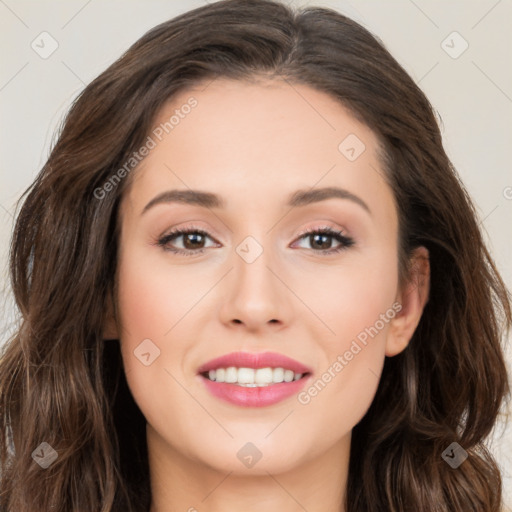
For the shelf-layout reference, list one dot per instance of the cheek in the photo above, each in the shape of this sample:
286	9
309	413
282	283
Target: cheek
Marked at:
351	296
151	302
148	309
153	297
344	387
356	304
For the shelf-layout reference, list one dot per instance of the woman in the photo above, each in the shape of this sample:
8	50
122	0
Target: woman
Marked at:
249	275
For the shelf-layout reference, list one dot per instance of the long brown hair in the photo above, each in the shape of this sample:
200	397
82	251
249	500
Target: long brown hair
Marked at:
62	384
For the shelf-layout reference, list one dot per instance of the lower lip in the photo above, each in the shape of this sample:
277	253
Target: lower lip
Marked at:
254	397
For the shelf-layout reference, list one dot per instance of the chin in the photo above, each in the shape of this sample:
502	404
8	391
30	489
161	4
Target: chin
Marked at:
258	457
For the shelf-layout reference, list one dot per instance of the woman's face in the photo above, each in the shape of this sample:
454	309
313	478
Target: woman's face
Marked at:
281	160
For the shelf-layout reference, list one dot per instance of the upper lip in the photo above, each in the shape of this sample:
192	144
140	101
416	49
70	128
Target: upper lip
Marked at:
254	360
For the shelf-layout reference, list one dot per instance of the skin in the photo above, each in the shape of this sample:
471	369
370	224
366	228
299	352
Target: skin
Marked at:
254	144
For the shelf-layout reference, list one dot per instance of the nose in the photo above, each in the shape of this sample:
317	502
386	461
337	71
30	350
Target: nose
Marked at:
256	296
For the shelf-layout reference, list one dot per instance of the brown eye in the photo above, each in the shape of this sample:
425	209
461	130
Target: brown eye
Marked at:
321	240
192	240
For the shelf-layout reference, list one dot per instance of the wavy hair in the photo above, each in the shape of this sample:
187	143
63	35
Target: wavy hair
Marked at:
63	384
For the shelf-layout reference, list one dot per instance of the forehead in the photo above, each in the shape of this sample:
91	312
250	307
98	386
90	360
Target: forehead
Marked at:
256	142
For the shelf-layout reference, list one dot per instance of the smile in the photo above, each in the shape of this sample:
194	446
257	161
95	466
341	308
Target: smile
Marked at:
253	380
250	377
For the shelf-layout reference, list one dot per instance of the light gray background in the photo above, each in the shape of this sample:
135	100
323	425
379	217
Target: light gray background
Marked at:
472	93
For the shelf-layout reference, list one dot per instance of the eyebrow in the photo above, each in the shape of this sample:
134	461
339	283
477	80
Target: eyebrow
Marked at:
210	200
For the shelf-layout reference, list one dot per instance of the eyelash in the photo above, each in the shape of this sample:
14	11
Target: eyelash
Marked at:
344	240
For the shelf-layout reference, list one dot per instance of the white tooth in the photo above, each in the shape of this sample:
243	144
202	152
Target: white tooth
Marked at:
288	375
250	377
263	376
278	375
231	374
246	375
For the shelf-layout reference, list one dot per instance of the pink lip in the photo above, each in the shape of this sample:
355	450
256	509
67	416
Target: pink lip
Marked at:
257	396
257	360
254	397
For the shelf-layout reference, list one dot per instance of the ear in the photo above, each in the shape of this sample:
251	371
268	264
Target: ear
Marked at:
412	297
110	330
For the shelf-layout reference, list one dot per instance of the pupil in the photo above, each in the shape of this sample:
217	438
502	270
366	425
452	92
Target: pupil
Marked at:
190	237
324	245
